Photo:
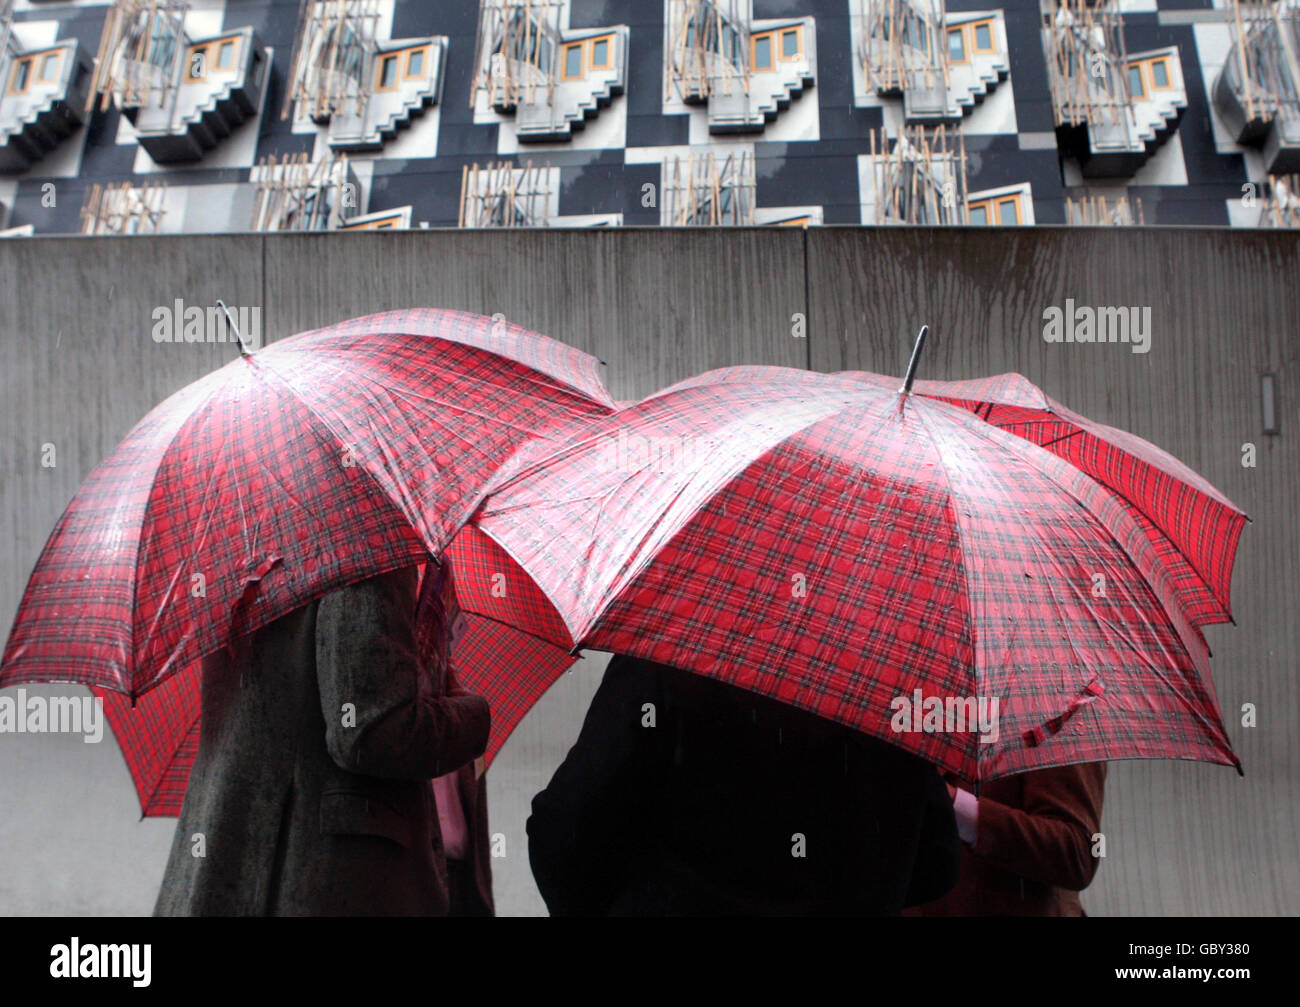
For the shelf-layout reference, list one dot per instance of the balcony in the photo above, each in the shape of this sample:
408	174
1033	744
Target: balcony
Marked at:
1257	93
218	87
1113	109
405	82
361	89
745	72
298	194
941	65
551	79
918	179
43	101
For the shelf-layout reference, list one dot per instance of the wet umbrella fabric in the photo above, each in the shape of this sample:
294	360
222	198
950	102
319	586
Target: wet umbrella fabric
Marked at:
891	562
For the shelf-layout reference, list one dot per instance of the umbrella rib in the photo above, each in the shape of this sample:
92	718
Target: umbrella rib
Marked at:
640	560
1035	456
181	426
961	545
153	793
322	424
1063	437
1029	453
1201	575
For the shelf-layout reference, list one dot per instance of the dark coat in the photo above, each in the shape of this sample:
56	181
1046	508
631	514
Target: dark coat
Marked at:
299	814
703	813
476	896
1033	846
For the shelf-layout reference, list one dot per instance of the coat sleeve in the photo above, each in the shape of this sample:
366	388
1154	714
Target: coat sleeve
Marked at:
1049	838
585	829
381	716
938	852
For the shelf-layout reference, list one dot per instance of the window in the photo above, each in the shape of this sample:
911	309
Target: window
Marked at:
342	51
49	66
22	73
573	61
729	45
588	54
226	55
387	74
971	37
956	45
1000	210
415	62
766	46
1136	87
196	63
791	43
1147	75
162	34
504	214
733	51
530	42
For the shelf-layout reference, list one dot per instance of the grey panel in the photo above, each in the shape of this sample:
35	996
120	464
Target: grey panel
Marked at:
655	305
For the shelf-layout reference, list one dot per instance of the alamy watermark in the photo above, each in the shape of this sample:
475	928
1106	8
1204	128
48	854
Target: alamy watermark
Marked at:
950	715
1104	324
630	452
24	714
179	323
75	960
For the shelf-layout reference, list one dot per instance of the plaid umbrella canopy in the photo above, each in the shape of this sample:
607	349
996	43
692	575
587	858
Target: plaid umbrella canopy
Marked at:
1193	526
882	559
326	458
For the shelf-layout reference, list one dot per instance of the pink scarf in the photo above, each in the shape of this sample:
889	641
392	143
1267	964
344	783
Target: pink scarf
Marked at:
438	623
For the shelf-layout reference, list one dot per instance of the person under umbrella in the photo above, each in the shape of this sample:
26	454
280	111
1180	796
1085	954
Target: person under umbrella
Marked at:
270	519
685	796
1029	844
319	735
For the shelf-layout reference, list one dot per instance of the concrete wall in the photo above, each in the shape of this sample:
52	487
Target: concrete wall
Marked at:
78	368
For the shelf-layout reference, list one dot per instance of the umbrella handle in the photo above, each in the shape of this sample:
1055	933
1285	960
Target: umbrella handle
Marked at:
916	359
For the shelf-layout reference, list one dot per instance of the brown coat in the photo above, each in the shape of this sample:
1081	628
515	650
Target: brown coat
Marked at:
299	813
1033	846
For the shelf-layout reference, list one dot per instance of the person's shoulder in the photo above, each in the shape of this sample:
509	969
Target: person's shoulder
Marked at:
1086	774
624	668
397	582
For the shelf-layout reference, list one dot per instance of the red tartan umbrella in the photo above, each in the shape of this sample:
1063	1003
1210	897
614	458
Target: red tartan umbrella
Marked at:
326	458
321	460
1193	526
862	554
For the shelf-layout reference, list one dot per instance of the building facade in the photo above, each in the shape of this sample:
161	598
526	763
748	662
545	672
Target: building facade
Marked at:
167	116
